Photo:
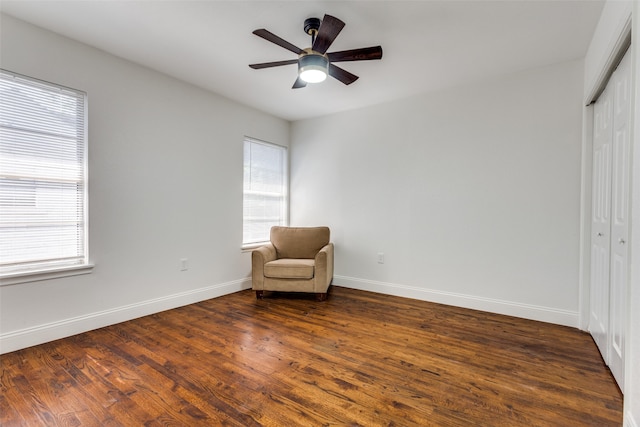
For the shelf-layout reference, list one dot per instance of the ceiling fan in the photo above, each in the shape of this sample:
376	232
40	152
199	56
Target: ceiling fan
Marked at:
314	63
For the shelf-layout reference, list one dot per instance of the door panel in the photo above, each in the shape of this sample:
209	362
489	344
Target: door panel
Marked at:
601	224
620	217
610	219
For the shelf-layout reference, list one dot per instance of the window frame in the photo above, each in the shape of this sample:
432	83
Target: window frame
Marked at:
284	220
58	270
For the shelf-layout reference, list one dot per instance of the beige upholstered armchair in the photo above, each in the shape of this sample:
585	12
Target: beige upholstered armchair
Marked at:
298	259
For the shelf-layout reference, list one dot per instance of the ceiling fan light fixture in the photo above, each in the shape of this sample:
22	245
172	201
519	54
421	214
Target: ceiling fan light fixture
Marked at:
315	63
313	68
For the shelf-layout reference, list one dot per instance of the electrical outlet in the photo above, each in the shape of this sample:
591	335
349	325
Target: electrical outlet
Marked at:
380	257
184	264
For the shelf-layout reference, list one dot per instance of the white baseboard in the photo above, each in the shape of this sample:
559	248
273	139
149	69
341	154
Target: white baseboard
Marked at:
28	337
509	308
629	421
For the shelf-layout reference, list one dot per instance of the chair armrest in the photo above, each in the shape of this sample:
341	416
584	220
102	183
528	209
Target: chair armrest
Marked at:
324	266
259	257
264	254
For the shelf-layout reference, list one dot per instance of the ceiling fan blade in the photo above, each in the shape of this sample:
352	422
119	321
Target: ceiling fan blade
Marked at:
299	83
269	36
343	75
363	54
327	33
273	64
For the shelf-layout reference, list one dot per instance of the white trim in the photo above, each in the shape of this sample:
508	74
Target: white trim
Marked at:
584	272
37	275
632	356
284	207
251	246
614	52
28	337
28	266
509	308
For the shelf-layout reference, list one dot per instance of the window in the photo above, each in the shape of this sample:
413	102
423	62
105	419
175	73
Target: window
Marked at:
265	201
42	176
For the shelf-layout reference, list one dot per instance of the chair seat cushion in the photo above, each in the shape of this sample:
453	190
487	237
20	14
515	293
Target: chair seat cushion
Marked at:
287	268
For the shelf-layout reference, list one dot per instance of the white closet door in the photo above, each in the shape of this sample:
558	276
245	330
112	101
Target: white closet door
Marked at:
601	222
610	219
620	216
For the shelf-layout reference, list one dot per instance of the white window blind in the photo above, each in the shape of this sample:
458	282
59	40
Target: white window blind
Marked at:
42	175
265	201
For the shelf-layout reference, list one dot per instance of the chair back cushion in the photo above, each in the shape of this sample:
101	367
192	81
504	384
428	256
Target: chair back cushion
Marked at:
299	242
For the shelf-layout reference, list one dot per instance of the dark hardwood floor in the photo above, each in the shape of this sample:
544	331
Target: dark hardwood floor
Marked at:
357	359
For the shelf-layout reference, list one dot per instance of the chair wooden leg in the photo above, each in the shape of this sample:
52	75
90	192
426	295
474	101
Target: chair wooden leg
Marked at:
259	294
321	296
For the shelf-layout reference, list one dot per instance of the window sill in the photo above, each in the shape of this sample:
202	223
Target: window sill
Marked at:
251	246
37	275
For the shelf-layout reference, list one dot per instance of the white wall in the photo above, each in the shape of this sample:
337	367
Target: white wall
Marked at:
165	182
473	193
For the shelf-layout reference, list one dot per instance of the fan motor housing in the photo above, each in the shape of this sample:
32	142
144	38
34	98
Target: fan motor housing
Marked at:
313	59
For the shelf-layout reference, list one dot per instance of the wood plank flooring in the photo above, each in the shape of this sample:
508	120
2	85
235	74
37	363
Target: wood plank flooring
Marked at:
357	359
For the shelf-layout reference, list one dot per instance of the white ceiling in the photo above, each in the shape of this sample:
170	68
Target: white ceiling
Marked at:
428	45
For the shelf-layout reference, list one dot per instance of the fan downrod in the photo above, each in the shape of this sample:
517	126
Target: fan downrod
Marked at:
311	26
